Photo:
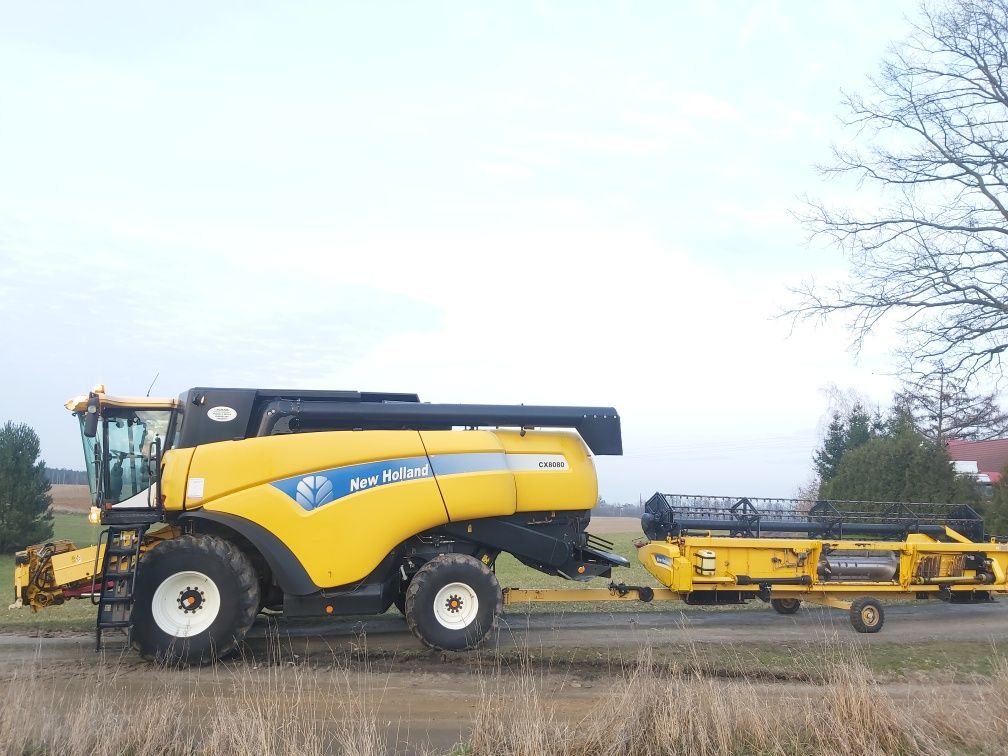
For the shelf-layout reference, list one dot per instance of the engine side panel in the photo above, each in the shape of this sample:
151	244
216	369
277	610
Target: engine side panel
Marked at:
552	470
472	473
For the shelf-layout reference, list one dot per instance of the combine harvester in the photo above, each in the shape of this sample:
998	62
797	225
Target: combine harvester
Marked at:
225	502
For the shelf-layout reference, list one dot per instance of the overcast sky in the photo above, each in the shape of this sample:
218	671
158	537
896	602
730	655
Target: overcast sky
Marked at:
562	203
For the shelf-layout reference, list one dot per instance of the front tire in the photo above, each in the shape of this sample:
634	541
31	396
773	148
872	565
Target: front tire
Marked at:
453	602
196	597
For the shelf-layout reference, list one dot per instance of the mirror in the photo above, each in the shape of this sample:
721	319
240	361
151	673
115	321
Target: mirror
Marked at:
91	418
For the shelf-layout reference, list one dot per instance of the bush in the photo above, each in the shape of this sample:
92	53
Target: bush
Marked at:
902	467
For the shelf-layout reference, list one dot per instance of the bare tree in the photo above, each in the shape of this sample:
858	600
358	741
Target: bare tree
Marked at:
941	407
933	258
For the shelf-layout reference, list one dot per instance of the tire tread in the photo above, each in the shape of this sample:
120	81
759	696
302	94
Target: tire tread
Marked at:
425	575
245	576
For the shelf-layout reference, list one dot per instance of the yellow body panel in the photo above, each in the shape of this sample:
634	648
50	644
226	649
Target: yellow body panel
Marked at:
174	472
288	485
73	566
468	495
344	542
229	467
539	489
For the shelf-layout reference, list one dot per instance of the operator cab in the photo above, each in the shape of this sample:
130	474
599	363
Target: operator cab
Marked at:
122	438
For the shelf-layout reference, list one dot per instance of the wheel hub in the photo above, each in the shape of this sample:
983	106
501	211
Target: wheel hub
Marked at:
191	600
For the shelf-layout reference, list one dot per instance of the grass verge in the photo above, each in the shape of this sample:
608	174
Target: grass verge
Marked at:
516	708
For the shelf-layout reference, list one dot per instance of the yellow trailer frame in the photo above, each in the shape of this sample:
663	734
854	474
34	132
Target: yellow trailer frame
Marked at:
705	569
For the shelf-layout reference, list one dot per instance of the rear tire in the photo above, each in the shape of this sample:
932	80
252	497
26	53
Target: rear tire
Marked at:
196	597
400	600
453	602
785	605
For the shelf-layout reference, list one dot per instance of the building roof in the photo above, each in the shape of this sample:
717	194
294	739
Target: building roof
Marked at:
991	457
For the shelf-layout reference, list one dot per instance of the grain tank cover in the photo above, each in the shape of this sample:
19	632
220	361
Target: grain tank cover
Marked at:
212	414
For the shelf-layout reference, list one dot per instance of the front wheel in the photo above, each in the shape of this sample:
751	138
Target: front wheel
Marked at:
453	602
196	597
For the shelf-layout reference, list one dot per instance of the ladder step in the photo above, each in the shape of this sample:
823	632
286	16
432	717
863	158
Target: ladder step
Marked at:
115	599
112	624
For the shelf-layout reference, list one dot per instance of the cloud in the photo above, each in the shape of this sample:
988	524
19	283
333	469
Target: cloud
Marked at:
610	144
700	105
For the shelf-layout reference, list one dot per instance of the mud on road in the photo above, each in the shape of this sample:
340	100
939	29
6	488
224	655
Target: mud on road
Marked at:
430	699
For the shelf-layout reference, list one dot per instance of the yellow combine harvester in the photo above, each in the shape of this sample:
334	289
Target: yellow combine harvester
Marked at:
318	503
226	502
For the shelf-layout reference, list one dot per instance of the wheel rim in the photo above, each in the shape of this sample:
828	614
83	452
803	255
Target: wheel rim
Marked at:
869	616
455	606
185	604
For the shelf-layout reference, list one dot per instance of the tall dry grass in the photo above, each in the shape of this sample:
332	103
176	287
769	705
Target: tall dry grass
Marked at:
281	706
274	708
657	711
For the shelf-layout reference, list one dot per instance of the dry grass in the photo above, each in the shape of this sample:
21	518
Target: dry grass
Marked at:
685	710
274	709
74	499
280	706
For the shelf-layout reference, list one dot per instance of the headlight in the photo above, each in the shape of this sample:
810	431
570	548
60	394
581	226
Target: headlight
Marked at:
94	516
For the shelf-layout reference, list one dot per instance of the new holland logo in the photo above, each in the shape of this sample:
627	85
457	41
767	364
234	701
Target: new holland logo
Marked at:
314	491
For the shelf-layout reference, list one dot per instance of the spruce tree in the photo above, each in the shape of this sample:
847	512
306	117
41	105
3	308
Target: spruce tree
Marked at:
843	435
996	509
902	467
25	505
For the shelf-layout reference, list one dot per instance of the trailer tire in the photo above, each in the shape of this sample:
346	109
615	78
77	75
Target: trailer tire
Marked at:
453	602
866	615
785	605
196	597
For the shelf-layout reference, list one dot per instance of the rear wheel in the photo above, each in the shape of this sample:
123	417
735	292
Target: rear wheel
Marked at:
785	605
195	598
453	602
400	600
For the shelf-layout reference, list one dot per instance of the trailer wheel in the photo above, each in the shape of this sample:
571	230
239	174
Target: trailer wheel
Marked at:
785	605
196	596
453	602
866	615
